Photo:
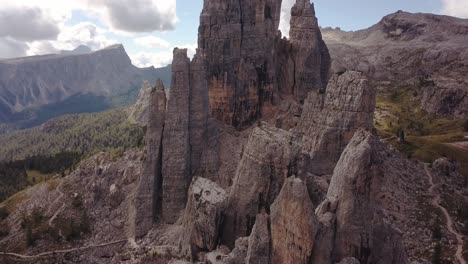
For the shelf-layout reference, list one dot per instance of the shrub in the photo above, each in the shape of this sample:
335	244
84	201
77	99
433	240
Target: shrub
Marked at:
3	213
4	229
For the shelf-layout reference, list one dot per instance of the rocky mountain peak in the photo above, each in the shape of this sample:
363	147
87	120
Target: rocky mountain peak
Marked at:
244	54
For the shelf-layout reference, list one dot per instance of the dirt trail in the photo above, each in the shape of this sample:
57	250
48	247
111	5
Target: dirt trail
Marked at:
450	225
44	254
56	200
463	145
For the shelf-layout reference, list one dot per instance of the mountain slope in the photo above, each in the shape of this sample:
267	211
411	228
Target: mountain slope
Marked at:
106	78
423	51
81	133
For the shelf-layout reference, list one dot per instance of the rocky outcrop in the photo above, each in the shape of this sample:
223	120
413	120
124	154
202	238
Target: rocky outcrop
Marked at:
260	241
140	111
293	224
204	130
446	168
268	159
353	199
148	196
202	218
310	54
329	119
238	38
247	63
176	144
426	52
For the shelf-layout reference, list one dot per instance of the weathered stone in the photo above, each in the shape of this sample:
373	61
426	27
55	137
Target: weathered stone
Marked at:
238	38
176	147
140	111
323	246
446	168
310	54
202	217
148	196
268	159
293	224
259	241
353	197
330	119
203	141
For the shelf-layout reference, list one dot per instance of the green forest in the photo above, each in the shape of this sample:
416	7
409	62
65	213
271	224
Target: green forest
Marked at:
33	155
83	133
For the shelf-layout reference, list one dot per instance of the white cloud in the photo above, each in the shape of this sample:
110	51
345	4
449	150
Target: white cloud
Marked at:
27	24
285	16
134	15
152	42
10	48
457	8
84	33
160	59
36	27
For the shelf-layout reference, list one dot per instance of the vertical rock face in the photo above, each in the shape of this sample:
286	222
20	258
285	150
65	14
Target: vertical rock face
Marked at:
259	241
310	54
203	131
238	38
267	161
352	197
248	65
176	147
140	111
330	119
202	217
293	224
147	200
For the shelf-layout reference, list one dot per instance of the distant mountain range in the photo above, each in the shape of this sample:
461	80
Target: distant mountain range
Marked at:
424	52
35	89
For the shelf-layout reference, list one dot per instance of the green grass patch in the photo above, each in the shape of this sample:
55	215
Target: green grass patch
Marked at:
35	176
12	203
400	110
427	134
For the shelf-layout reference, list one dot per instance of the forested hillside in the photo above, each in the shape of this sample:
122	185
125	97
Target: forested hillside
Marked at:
83	134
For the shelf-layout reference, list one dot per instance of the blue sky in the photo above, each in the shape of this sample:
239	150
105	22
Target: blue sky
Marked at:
150	29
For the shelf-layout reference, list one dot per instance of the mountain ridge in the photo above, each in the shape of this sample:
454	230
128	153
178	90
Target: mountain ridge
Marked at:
33	82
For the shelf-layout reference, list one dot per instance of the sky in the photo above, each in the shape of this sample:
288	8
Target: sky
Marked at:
150	29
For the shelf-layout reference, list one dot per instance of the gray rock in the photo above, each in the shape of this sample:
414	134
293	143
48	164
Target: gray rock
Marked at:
329	119
148	197
311	57
259	241
293	224
202	218
353	197
175	142
268	159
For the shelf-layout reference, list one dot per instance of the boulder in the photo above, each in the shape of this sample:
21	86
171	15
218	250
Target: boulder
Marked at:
202	218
